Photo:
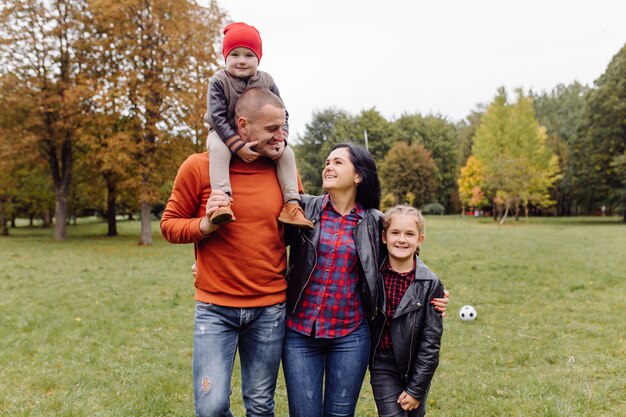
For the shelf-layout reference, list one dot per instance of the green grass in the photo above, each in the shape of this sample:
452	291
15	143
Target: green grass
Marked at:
98	326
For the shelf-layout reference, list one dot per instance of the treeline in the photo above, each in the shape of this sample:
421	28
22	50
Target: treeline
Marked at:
103	100
561	152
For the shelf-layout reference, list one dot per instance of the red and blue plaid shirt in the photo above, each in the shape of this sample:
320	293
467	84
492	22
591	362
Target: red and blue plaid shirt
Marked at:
331	303
396	284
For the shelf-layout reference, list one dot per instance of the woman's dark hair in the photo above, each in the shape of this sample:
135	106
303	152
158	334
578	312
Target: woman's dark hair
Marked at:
368	190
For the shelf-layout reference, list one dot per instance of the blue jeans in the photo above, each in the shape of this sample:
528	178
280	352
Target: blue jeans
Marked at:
387	385
337	364
219	331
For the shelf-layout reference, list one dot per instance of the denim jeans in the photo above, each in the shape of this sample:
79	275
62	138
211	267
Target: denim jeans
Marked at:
337	364
258	333
387	385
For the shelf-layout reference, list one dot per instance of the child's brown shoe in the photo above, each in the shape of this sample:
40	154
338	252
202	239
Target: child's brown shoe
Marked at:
293	214
223	215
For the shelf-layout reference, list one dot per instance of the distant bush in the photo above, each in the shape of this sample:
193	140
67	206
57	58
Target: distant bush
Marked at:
433	208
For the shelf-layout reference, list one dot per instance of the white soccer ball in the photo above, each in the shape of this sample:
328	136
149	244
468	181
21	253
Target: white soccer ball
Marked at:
468	313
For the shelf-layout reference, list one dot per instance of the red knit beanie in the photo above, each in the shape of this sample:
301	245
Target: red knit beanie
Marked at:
240	34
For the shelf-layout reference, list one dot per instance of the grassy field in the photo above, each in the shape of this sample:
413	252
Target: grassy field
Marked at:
98	326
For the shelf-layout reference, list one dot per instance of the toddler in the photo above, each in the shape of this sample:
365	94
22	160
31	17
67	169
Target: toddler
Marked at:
242	50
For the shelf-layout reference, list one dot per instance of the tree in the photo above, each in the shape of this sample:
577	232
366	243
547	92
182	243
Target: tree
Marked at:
409	169
602	138
561	111
39	49
440	137
466	129
167	52
518	165
471	184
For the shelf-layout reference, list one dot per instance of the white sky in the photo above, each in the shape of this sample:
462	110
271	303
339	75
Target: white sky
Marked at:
416	56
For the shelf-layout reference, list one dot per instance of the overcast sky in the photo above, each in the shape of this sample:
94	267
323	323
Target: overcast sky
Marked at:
417	56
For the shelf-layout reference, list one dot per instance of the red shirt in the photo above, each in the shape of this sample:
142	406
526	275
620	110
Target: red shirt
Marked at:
396	284
331	303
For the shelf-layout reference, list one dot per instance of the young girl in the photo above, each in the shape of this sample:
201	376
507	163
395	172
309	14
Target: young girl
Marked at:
407	336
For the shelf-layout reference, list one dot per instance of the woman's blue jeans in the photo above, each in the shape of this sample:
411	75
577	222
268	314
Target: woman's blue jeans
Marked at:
219	331
338	365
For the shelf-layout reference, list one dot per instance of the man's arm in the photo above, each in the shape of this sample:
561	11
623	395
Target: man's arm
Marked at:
180	222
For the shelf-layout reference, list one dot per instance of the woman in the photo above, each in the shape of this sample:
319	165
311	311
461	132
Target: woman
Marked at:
332	292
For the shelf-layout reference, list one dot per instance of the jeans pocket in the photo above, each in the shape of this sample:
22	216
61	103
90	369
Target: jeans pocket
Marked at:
279	306
202	307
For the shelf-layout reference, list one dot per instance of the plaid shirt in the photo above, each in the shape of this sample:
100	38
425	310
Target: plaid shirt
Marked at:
331	303
396	284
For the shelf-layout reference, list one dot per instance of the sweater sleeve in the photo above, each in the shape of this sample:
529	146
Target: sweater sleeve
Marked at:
427	350
180	222
217	115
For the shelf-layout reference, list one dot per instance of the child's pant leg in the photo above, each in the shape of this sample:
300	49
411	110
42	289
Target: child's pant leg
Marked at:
219	163
387	385
287	176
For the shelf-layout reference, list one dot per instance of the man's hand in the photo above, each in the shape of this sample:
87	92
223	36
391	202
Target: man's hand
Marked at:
441	303
217	199
247	154
407	402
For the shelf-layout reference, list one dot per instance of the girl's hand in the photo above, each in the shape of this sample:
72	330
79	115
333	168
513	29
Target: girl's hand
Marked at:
407	402
441	303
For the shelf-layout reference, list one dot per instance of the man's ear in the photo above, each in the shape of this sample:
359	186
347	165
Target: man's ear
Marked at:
242	125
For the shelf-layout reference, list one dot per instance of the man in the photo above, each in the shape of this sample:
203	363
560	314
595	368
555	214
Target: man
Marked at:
240	284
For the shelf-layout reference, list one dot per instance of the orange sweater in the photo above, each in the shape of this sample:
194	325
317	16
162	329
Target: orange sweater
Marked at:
243	263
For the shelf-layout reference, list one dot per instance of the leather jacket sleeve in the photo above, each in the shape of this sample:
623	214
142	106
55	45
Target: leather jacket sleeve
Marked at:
217	114
427	350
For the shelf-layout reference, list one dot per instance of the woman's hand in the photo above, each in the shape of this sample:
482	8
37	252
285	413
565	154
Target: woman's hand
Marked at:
441	303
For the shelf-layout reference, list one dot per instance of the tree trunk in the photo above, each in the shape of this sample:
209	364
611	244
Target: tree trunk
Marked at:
3	219
60	213
516	212
146	231
111	209
624	216
506	212
13	221
47	222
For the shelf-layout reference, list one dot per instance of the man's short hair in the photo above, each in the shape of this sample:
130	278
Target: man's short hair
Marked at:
253	100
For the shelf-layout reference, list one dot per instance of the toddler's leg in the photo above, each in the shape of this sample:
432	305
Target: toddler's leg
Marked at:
292	213
219	164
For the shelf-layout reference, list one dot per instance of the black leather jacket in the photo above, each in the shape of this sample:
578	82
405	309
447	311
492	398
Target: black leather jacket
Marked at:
303	254
416	330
